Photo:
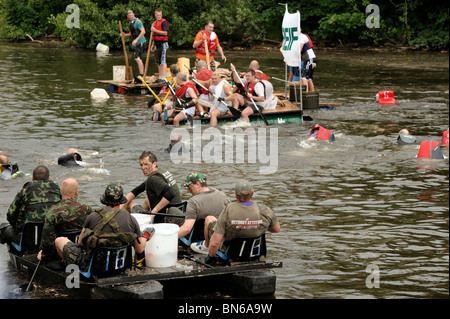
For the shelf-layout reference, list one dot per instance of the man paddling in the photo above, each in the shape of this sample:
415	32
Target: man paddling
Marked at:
67	215
244	218
30	204
205	201
108	220
137	32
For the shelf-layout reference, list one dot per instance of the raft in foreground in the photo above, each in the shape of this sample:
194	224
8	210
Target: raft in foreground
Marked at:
242	279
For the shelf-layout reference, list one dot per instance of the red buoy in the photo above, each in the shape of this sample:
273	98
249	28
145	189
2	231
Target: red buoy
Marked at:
444	140
386	97
430	149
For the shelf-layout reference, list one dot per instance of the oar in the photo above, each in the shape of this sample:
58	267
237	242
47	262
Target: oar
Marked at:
162	106
149	88
160	214
246	92
207	54
32	277
233	111
198	261
148	54
130	76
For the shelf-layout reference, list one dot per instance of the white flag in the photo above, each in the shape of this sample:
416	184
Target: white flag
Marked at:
291	34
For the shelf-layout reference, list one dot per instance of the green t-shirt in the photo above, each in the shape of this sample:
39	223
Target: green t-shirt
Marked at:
155	184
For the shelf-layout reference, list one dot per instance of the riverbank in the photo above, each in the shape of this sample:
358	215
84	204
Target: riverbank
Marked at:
268	45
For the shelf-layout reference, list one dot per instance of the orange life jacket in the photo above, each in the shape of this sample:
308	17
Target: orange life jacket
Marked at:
323	134
212	46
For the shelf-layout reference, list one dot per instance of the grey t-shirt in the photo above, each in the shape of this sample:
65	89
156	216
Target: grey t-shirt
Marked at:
208	203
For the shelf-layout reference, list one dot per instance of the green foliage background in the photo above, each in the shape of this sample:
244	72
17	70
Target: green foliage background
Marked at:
419	23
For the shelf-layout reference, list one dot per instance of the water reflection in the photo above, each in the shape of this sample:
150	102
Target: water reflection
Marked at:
358	201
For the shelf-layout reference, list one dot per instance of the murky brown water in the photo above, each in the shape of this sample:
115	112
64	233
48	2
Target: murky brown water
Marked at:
359	201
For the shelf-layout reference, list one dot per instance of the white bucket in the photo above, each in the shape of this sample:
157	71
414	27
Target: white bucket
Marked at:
143	220
99	94
102	48
162	249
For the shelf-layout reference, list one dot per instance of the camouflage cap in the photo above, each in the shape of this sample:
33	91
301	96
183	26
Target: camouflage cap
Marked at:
243	188
199	176
113	195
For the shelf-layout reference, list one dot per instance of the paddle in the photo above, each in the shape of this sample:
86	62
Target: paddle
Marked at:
32	277
246	92
146	212
207	54
130	76
233	111
148	54
149	88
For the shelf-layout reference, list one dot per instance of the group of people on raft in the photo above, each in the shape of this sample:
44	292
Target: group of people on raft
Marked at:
60	211
205	89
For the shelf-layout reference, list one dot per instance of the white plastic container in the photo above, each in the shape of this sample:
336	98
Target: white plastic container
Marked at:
102	48
143	220
162	250
99	94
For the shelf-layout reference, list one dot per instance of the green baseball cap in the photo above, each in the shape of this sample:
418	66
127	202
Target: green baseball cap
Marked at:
195	176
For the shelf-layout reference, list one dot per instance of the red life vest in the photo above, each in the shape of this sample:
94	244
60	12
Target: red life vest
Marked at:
251	88
430	149
260	75
158	26
181	92
204	75
323	134
212	46
310	42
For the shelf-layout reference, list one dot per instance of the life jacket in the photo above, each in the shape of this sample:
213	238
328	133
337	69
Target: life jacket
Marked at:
158	26
212	46
94	238
386	97
430	149
204	75
133	30
261	75
444	140
69	159
181	92
309	42
323	134
251	89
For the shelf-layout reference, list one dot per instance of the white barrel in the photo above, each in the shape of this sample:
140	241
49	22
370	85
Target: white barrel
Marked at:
162	250
102	48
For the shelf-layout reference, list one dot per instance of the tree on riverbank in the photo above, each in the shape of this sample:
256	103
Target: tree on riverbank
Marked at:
419	23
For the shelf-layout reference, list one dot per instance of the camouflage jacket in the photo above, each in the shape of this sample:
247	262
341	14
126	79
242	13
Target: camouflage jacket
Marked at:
67	215
32	202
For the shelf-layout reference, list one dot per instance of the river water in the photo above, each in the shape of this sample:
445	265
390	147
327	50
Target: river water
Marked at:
345	208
